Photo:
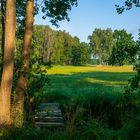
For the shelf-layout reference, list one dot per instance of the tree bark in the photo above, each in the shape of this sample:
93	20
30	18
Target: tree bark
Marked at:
3	30
21	86
7	74
3	23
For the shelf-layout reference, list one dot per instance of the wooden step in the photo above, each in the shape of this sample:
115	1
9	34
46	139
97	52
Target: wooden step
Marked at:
49	111
45	114
48	119
48	124
49	104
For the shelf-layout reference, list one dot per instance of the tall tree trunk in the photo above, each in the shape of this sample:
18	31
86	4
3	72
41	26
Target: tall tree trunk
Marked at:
21	86
7	74
3	23
3	30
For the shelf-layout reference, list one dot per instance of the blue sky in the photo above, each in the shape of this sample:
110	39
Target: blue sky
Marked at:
91	14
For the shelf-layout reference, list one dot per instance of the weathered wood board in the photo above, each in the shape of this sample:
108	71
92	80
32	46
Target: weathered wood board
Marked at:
49	114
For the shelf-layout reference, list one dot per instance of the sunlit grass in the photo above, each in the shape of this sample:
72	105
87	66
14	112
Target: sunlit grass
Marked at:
67	82
77	69
104	82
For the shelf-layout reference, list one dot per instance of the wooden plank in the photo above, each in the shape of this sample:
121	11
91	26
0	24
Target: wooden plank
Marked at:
48	105
48	119
46	124
49	114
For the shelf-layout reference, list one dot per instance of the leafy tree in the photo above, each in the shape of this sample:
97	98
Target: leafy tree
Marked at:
22	80
101	42
67	48
125	48
55	9
76	55
80	54
85	53
21	16
62	48
58	48
137	62
48	44
53	46
37	47
135	81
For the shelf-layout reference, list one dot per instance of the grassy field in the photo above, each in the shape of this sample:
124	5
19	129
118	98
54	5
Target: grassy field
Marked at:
72	81
93	105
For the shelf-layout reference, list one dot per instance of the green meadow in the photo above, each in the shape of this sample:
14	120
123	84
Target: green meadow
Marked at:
73	81
93	103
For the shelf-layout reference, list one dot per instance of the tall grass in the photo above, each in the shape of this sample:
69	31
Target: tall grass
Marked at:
68	82
93	104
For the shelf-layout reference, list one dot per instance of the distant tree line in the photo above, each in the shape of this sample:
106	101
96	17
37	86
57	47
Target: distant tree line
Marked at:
105	47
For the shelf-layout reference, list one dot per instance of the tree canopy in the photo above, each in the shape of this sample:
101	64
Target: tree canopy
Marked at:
124	50
102	42
127	5
57	10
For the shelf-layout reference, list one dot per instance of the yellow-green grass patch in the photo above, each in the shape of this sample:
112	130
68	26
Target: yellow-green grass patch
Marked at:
77	69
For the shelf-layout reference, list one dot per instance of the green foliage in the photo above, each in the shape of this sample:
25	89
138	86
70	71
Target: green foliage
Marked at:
134	83
125	49
137	62
76	55
81	54
57	10
127	6
21	14
56	53
61	48
38	82
37	47
85	53
89	117
115	48
101	42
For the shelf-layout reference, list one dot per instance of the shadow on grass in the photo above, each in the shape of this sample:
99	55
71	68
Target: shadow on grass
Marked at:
68	86
106	115
91	78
